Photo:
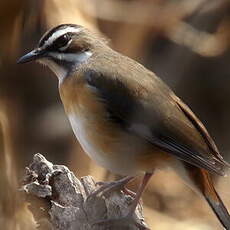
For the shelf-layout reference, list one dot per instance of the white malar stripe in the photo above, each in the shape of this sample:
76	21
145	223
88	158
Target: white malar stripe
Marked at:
60	33
77	58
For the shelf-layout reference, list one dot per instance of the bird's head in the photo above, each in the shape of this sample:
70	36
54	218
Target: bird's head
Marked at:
63	48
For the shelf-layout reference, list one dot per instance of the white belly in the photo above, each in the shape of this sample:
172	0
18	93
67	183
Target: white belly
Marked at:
79	129
115	159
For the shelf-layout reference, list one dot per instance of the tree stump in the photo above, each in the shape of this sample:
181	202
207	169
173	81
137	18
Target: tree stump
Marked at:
58	200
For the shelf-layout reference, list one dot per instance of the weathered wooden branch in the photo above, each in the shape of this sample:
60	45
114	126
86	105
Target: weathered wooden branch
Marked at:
58	200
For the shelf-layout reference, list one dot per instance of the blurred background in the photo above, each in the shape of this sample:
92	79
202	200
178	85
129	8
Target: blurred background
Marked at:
185	42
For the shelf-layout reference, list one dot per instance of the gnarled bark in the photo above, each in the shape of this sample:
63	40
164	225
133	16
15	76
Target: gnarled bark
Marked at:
58	200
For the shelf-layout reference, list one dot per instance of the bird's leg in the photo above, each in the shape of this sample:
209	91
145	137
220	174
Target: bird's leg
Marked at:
109	186
134	204
140	190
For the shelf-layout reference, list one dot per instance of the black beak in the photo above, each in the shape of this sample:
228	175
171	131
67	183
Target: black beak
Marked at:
31	56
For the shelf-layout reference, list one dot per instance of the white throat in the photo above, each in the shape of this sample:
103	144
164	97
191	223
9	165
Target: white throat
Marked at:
75	59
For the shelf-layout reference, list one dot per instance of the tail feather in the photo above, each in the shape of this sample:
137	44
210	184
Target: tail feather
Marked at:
216	203
220	210
203	184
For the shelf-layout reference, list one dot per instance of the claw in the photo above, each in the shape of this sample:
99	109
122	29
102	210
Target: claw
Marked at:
107	187
120	184
129	192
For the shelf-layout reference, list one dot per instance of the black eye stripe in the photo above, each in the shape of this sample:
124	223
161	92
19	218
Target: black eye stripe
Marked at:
61	41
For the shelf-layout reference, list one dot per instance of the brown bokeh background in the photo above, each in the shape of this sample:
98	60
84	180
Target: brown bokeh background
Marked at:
185	42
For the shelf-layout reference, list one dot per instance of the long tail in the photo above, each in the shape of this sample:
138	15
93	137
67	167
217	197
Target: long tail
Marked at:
216	203
204	184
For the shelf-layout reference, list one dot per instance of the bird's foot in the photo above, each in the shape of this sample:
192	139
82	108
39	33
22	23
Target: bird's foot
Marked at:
122	222
128	192
107	187
115	185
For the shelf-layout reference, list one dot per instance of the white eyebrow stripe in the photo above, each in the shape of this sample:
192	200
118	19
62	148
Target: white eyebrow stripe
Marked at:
59	33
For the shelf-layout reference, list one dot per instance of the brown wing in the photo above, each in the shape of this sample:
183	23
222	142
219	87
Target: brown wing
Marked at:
200	127
147	108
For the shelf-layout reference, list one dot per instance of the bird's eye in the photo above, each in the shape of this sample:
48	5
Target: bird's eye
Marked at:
62	41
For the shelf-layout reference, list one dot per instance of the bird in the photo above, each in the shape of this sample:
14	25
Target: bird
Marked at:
126	118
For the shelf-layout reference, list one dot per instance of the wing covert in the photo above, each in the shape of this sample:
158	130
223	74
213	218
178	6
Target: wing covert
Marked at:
166	122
